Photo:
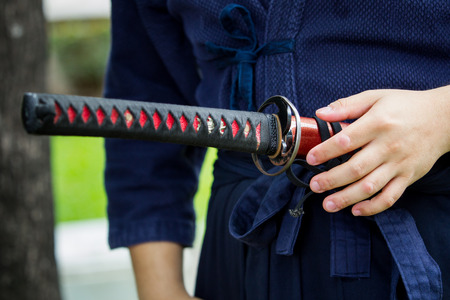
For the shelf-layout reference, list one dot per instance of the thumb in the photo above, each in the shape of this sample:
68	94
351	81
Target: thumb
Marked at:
351	107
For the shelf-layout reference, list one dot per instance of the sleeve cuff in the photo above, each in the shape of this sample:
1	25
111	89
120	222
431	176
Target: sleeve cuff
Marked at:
124	235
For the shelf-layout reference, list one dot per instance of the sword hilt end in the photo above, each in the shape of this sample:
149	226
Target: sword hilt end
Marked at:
35	112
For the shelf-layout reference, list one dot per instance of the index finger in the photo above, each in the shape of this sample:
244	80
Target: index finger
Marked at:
353	137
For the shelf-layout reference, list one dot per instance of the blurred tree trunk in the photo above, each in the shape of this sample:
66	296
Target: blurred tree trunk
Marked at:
27	263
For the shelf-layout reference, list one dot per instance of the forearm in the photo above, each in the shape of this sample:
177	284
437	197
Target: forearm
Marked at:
158	270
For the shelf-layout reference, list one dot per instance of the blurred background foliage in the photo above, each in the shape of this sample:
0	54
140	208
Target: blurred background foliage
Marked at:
78	56
80	48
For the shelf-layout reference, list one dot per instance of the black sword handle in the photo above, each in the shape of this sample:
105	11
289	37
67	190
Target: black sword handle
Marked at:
51	114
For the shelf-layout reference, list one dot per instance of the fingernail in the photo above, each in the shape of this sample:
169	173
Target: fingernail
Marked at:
357	213
311	159
324	110
315	186
330	206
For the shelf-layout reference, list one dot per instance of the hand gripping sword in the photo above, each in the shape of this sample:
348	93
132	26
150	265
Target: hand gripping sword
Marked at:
282	136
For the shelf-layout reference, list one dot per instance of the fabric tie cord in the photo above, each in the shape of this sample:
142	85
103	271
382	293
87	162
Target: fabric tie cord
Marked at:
244	57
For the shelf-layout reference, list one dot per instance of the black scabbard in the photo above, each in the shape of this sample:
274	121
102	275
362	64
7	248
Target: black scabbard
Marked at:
50	114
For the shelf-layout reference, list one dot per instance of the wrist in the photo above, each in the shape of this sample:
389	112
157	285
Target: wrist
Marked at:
442	97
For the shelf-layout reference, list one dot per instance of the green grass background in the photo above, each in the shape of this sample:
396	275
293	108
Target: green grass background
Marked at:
77	174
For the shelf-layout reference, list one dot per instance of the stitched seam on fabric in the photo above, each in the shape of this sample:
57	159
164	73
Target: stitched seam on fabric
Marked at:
120	235
409	264
424	260
385	232
288	85
388	231
332	250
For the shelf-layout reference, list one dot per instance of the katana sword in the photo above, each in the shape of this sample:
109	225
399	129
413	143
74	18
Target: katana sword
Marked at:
282	136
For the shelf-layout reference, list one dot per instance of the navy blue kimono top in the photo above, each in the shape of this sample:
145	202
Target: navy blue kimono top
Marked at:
210	53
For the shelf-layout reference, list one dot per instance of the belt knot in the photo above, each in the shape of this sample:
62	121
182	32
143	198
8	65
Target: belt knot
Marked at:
245	57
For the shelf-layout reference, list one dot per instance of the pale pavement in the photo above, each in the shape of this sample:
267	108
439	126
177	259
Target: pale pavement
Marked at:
56	10
89	270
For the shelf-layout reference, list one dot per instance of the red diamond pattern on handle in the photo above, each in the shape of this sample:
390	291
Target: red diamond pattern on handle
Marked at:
170	121
156	120
143	118
114	115
129	119
258	136
100	116
58	113
197	123
85	114
223	126
71	113
183	123
247	129
234	128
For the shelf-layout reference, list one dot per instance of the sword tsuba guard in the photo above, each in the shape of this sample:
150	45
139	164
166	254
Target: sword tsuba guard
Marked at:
289	134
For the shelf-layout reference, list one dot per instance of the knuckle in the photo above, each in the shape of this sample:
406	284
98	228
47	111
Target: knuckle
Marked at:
397	193
343	141
340	103
395	151
368	210
327	182
388	201
343	202
394	147
356	170
386	123
369	187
